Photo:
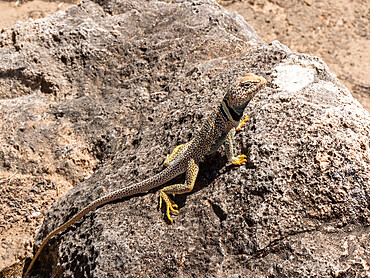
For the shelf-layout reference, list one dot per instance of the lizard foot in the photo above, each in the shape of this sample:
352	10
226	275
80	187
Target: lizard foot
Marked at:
166	161
171	206
175	153
240	159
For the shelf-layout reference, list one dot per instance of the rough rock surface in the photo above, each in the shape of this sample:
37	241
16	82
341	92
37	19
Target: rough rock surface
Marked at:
111	87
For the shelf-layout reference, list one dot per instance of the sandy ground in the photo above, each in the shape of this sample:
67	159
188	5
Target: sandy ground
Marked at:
12	11
336	31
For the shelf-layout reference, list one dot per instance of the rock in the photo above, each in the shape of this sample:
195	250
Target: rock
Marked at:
113	86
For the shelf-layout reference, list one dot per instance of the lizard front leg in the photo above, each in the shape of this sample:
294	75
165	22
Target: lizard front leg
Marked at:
230	150
190	177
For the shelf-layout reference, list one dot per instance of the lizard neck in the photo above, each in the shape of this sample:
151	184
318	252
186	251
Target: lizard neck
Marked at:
230	114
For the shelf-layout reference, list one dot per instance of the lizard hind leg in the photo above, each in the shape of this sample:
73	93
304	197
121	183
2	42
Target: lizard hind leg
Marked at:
187	186
175	153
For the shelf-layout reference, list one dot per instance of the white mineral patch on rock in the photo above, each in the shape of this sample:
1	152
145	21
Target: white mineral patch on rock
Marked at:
296	73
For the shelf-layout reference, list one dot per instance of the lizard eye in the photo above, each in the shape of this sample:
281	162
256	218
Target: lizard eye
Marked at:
245	85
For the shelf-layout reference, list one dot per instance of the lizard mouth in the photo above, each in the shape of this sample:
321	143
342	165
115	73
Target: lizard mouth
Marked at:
249	78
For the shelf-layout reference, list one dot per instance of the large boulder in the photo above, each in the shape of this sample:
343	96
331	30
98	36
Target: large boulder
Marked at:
106	89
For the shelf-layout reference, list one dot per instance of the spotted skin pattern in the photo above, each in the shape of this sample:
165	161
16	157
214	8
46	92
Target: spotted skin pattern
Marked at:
218	128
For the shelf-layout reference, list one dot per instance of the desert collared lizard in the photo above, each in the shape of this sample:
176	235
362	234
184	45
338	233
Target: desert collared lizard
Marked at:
218	128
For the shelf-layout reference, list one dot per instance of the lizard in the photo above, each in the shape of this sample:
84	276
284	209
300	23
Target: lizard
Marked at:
220	127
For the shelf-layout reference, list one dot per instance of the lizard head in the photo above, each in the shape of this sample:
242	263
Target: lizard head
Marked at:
241	92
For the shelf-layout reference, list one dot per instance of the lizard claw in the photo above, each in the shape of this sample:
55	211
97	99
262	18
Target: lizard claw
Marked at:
166	161
240	159
242	123
171	206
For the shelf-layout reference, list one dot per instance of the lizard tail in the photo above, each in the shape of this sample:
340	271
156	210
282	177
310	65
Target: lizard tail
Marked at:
92	206
141	187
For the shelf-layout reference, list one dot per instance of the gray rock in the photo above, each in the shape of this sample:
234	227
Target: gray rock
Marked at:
128	81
